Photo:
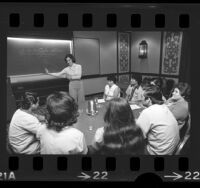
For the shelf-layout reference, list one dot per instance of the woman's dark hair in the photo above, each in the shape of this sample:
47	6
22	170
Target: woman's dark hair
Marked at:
158	82
145	83
62	109
137	77
121	134
71	57
27	99
154	93
184	88
111	78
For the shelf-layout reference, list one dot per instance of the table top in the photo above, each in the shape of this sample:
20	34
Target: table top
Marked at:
89	124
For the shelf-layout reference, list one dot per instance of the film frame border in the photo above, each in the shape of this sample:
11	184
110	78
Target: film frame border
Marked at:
14	21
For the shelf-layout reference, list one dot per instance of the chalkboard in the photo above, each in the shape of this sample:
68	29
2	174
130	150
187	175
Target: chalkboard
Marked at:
31	56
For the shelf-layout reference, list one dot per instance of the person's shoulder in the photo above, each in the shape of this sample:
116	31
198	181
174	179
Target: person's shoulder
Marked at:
74	131
77	65
100	130
106	86
152	108
115	86
25	115
17	112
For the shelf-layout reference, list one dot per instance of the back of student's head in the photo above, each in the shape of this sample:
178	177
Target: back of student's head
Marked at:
121	134
154	93
62	109
118	113
111	78
28	99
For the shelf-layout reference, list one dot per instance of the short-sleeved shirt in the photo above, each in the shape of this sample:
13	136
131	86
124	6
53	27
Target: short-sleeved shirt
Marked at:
138	94
160	128
75	71
22	133
109	91
68	141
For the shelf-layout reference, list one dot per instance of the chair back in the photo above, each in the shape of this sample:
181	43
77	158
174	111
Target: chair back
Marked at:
184	136
122	93
185	130
182	145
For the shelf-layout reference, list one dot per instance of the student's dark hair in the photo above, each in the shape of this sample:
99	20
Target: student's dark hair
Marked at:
145	83
27	99
169	87
111	78
158	82
184	88
71	57
154	93
121	134
137	77
62	109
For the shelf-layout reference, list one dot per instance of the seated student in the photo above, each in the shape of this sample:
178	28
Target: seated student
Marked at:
159	83
134	92
177	103
158	124
120	134
24	126
111	89
60	137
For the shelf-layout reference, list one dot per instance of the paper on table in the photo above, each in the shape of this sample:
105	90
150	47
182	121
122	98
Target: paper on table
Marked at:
134	106
101	100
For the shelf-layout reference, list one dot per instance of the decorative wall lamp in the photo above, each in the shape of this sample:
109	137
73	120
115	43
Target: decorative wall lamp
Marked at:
143	47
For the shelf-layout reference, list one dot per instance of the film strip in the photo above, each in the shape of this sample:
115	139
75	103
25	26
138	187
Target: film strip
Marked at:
56	21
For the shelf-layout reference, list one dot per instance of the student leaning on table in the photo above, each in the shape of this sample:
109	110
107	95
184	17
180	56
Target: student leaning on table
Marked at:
73	72
25	125
59	136
158	124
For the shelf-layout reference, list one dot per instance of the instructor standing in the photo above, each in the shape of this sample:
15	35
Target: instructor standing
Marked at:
73	72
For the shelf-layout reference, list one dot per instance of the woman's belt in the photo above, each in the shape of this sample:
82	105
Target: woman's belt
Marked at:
75	80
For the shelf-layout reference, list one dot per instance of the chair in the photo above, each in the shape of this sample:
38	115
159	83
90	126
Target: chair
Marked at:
184	137
182	145
122	93
185	130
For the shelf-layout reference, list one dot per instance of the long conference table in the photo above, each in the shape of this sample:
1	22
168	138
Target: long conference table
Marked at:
89	124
